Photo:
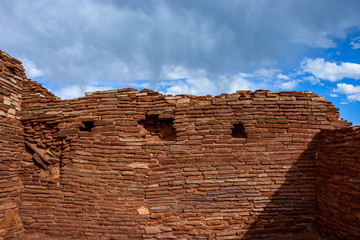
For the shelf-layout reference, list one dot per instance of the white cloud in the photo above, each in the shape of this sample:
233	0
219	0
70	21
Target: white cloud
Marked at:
312	79
69	92
194	86
92	88
141	85
181	80
174	72
352	92
75	91
121	41
205	85
239	83
355	43
334	95
282	76
30	68
330	71
180	88
289	85
347	88
354	97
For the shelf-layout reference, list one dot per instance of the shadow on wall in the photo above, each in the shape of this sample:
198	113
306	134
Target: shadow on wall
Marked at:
290	212
338	182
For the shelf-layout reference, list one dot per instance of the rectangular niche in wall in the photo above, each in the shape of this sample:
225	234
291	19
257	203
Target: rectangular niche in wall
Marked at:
238	131
159	128
87	126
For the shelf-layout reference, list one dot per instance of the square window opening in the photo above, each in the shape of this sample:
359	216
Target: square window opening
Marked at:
87	126
238	131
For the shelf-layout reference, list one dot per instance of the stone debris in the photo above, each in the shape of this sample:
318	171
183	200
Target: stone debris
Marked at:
129	164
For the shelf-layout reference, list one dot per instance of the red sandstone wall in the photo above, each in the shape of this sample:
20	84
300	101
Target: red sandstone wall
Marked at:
127	178
130	178
11	145
338	180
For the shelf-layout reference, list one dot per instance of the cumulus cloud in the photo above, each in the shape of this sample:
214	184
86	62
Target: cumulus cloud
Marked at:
347	88
123	41
199	86
30	68
289	85
330	71
75	90
352	92
204	86
200	82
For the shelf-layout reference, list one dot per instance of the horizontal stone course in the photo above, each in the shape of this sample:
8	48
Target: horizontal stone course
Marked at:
204	173
338	178
141	165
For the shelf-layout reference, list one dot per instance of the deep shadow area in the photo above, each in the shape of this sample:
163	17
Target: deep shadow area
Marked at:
291	212
338	182
87	126
238	131
163	128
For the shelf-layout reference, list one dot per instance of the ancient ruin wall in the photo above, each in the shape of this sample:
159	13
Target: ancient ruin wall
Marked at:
138	164
338	180
11	145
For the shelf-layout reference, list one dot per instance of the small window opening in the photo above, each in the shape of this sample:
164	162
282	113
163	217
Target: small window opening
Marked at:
11	67
12	70
163	128
88	126
238	131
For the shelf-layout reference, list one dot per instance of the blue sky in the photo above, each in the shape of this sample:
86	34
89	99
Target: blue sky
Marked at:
189	47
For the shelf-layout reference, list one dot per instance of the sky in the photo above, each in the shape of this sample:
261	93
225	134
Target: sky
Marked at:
197	47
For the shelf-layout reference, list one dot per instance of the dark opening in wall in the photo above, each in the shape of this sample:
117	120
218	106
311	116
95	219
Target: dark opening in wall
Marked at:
238	131
11	67
12	70
88	125
163	128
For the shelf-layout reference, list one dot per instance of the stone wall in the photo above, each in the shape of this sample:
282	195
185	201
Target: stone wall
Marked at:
138	164
338	180
128	164
11	145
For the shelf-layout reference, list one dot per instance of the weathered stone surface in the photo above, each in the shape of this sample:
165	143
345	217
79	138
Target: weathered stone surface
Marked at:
143	210
11	146
141	165
153	229
338	179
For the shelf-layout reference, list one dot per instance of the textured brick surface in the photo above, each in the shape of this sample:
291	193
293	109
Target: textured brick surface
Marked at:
338	180
126	175
11	145
141	165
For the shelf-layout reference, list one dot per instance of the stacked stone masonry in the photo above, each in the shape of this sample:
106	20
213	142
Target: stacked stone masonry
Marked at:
338	181
141	165
11	145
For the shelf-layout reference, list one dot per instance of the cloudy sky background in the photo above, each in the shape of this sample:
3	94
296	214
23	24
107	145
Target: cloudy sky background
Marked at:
194	47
